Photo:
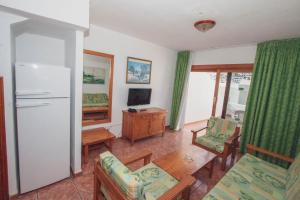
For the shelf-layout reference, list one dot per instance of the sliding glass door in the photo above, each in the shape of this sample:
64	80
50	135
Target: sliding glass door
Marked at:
236	91
231	88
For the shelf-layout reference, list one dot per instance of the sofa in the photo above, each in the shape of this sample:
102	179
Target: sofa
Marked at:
94	106
115	181
94	100
252	178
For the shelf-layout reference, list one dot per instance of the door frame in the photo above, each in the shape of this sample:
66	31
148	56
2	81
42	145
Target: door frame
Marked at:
111	57
218	69
4	194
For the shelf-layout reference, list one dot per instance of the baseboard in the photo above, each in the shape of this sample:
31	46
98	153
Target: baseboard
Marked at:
75	174
195	122
13	196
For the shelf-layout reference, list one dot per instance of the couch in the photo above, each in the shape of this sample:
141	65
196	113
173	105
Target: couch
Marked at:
94	104
252	178
94	100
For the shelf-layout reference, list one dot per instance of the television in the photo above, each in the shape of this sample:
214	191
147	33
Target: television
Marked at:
139	96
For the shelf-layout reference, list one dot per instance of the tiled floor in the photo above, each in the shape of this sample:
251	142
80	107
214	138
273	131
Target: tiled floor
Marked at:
81	187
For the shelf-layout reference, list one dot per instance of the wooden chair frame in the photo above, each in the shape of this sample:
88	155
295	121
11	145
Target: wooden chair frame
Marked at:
230	146
101	177
251	149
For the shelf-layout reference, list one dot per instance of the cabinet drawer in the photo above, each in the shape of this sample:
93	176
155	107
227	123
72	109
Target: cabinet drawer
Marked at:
141	126
157	123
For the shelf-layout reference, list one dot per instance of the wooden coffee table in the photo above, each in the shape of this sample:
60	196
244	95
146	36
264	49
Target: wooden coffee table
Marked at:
94	137
187	162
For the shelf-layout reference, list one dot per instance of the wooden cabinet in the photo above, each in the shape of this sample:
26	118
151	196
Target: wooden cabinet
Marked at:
144	123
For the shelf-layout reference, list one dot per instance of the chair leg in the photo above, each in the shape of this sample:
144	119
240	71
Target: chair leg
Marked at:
233	153
223	165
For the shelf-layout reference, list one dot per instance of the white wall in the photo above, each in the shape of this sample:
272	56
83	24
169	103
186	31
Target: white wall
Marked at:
40	49
74	60
201	86
232	55
120	45
68	11
6	59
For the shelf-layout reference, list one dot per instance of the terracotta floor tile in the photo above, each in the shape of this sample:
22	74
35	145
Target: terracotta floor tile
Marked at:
64	190
86	195
84	183
81	187
27	196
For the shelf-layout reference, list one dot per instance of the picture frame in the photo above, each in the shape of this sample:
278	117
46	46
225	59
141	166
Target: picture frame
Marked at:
93	75
138	71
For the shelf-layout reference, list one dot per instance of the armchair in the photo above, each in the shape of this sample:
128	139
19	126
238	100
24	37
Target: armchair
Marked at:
221	138
114	181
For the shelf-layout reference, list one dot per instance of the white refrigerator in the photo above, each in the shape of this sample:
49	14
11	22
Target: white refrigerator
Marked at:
43	124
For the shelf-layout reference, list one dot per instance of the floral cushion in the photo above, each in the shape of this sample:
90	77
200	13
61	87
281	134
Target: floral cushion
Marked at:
219	127
128	183
212	142
293	180
251	179
155	180
99	99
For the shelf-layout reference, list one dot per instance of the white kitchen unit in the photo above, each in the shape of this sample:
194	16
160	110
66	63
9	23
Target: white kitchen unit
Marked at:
43	124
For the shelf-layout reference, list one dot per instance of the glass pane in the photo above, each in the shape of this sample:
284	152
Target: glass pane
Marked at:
221	93
200	96
239	89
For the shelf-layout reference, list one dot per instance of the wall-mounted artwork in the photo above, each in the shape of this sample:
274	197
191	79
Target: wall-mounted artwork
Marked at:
138	71
93	75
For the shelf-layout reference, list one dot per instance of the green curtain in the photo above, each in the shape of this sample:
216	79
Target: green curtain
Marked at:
272	118
180	77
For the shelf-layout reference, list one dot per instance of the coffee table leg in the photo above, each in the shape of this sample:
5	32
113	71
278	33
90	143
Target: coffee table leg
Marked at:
86	153
211	169
186	193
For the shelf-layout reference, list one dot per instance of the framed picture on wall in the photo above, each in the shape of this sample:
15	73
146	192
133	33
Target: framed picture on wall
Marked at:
138	71
93	75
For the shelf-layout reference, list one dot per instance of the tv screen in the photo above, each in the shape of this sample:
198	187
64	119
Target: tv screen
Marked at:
139	96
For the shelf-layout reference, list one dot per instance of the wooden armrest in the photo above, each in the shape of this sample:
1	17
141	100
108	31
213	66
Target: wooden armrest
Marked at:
234	137
251	149
198	130
143	154
230	140
177	189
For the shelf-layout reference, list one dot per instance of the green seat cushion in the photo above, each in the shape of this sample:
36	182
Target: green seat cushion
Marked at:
129	183
155	180
219	127
212	142
251	179
99	99
293	180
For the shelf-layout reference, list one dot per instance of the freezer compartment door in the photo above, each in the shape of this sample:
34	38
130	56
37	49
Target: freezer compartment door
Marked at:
42	81
43	141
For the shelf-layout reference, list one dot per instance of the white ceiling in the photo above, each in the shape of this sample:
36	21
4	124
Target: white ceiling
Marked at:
170	22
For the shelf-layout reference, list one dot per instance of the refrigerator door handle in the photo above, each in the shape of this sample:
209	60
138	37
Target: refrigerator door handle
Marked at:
27	105
27	93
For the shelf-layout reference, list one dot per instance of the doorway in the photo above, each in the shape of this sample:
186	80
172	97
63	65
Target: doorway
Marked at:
218	90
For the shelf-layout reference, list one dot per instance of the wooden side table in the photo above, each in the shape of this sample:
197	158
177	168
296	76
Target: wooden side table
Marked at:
93	137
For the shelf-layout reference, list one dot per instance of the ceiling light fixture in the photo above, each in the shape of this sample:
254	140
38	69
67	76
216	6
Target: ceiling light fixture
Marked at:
204	25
